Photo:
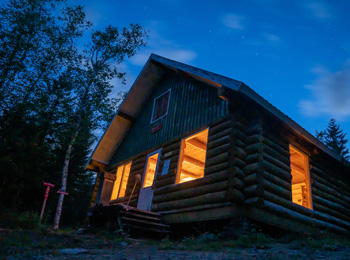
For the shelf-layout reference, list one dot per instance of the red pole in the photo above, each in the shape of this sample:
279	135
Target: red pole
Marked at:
48	186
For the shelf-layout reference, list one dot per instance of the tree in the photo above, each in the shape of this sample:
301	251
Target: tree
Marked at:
335	139
53	97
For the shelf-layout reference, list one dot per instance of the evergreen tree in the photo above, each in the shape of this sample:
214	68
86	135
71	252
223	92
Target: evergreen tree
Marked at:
335	139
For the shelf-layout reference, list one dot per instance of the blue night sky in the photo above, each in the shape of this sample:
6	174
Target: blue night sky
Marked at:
295	54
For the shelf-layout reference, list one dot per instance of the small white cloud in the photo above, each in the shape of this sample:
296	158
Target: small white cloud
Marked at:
330	94
318	9
271	37
233	21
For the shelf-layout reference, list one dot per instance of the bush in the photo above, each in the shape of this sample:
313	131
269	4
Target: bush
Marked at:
13	219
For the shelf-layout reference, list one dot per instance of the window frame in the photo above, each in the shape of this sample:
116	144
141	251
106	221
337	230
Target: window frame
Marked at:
158	151
178	170
154	106
307	174
121	179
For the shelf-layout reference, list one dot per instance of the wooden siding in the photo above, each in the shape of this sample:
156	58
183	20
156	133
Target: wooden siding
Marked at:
192	104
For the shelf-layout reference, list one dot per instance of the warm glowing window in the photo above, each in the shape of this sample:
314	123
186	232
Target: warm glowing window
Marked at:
160	107
150	170
301	189
192	157
121	180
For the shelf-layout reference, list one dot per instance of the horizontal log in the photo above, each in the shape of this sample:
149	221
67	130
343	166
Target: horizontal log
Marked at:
254	201
240	153
286	184
253	167
196	208
237	172
283	174
253	139
216	168
238	134
235	195
324	188
329	177
239	125
170	154
220	127
214	197
217	150
251	179
165	176
139	160
240	143
252	191
283	211
254	148
217	159
192	192
280	141
236	183
219	135
253	158
214	178
297	208
320	179
270	151
278	190
330	204
329	196
219	142
173	146
165	182
276	162
276	147
331	212
220	121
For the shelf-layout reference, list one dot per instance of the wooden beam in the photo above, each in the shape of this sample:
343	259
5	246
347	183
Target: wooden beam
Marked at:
197	144
192	161
126	116
192	175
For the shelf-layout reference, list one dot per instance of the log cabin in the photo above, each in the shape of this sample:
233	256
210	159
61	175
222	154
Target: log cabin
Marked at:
208	147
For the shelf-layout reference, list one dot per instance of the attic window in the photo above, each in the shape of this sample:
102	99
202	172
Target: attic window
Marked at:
160	106
192	157
301	188
121	180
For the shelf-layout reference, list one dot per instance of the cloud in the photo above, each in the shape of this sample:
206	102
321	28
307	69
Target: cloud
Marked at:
265	39
182	55
317	9
163	47
330	94
233	21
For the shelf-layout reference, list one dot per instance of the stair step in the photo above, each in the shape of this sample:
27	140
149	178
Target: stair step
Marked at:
144	222
145	212
139	216
147	229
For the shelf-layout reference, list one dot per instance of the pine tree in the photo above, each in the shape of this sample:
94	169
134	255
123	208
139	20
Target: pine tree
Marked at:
335	139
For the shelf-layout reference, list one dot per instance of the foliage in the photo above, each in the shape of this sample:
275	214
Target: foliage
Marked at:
51	92
334	137
13	219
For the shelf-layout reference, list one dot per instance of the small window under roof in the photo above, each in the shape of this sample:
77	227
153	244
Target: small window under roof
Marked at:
160	106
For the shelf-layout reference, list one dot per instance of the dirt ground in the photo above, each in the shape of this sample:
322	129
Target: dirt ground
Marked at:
69	245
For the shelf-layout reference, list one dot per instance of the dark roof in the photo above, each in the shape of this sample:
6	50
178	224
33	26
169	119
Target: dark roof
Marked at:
148	79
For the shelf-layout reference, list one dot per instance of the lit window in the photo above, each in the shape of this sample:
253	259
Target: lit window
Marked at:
160	107
121	180
150	171
192	157
301	189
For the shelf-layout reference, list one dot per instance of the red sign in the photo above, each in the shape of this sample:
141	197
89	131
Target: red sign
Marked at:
48	184
62	192
156	128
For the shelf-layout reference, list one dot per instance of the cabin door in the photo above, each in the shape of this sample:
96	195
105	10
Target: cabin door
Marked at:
147	184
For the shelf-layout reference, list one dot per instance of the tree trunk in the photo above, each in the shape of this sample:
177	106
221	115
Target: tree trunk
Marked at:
64	181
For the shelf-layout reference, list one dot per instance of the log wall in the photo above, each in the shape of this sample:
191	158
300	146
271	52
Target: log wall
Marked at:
213	188
330	195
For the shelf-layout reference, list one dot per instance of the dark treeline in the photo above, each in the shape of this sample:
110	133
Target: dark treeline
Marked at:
52	98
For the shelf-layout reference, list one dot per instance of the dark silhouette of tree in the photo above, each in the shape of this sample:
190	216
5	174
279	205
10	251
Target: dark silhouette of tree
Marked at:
335	139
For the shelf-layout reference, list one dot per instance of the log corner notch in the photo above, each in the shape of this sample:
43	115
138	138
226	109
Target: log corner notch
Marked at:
127	117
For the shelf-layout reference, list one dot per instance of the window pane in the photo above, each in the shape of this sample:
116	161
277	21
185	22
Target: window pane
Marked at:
124	180
150	171
161	106
301	189
117	182
192	157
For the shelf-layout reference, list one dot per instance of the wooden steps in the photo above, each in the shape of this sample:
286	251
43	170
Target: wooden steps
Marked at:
131	220
134	221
